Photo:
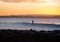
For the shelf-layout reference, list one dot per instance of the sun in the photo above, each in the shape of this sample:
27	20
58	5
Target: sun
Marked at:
48	2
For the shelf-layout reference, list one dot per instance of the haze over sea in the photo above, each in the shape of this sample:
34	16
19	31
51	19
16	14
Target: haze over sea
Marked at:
26	23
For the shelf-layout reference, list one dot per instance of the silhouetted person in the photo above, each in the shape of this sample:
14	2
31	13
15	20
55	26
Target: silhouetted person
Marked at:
32	22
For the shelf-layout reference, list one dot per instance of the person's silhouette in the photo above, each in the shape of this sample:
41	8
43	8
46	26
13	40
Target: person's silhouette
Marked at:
32	21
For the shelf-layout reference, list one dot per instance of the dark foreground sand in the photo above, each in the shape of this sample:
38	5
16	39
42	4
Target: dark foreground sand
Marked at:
29	35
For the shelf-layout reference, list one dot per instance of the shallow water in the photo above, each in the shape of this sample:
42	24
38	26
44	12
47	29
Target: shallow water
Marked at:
26	23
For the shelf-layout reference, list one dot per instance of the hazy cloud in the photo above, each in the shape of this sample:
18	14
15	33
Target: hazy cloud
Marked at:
19	0
23	1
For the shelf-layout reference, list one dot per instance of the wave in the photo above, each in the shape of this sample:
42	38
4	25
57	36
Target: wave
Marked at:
30	23
27	25
34	24
42	24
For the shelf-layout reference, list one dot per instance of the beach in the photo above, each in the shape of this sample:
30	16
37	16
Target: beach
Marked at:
23	30
29	35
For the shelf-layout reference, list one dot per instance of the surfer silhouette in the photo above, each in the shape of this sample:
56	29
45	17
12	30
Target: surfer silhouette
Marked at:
32	22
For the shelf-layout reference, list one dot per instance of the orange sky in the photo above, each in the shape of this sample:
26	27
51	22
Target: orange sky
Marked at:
24	7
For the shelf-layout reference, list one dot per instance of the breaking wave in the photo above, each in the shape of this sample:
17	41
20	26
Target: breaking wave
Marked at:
34	24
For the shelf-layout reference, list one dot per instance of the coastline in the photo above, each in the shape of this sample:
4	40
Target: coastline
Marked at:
31	16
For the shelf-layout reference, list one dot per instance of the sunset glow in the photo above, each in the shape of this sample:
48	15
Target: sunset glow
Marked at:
26	7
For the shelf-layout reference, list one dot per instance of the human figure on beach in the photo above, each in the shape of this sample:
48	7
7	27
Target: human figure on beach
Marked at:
32	22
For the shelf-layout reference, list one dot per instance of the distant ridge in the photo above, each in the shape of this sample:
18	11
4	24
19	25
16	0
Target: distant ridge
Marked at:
34	16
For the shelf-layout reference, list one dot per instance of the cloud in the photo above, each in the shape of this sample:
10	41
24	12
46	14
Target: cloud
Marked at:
22	1
19	0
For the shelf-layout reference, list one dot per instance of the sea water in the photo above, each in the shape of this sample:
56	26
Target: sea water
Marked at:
26	23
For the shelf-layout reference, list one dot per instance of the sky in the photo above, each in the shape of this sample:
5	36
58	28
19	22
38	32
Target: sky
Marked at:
26	7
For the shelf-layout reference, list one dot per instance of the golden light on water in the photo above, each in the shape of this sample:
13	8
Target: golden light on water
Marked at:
25	7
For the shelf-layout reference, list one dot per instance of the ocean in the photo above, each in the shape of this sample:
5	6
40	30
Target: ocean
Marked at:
26	23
